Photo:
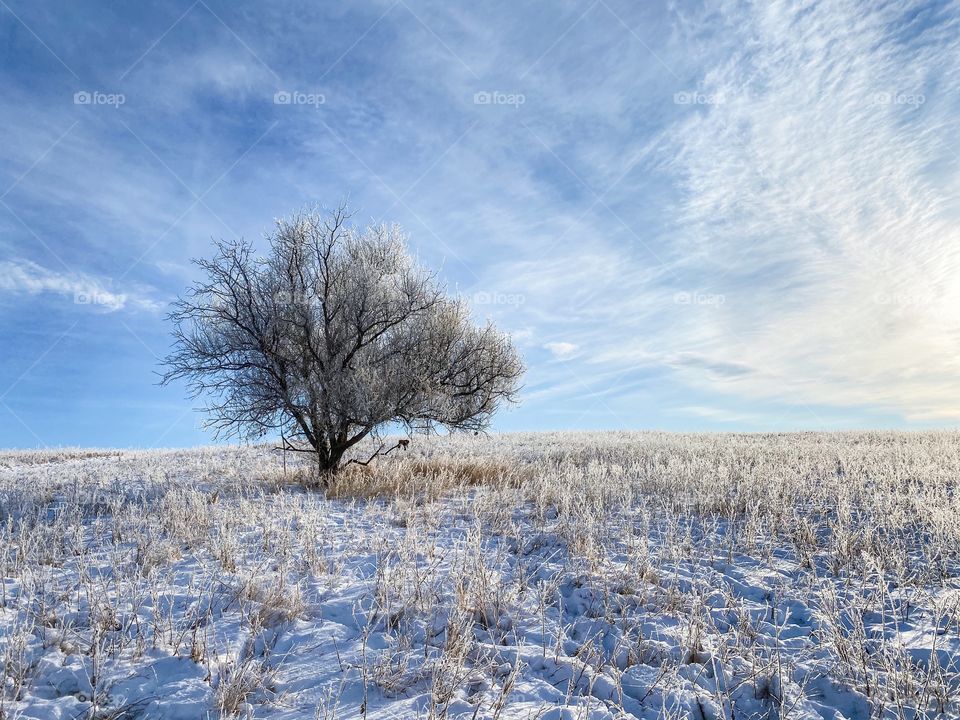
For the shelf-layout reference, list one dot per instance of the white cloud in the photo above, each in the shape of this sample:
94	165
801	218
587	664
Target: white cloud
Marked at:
522	336
717	414
24	276
816	201
561	350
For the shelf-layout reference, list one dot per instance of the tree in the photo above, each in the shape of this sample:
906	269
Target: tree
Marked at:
332	337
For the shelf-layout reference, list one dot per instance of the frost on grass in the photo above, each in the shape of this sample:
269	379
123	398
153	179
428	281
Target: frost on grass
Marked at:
608	575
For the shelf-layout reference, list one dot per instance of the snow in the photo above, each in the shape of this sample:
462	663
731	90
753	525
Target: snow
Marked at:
176	584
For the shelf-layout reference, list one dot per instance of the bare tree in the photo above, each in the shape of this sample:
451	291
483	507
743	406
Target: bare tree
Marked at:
332	337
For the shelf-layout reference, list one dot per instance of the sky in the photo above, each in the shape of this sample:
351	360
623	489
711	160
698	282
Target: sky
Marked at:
691	216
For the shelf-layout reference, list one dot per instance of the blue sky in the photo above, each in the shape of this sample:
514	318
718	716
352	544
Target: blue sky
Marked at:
716	216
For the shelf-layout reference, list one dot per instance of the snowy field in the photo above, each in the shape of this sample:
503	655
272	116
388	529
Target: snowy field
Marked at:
604	575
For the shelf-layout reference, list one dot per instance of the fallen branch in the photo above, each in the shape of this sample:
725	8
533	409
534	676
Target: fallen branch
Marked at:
400	444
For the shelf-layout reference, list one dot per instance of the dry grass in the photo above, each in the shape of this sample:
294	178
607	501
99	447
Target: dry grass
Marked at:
426	478
42	457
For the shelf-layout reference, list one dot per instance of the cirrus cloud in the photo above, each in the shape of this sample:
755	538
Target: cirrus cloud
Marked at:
27	277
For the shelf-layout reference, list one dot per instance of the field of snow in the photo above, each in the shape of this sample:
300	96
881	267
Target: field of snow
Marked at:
598	575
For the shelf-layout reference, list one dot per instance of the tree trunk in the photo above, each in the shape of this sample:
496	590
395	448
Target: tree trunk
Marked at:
328	465
336	455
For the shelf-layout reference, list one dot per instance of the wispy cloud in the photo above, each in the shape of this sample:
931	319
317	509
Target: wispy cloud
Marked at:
810	255
817	200
26	277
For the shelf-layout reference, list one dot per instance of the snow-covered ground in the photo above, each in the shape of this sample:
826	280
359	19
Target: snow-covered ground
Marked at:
600	575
